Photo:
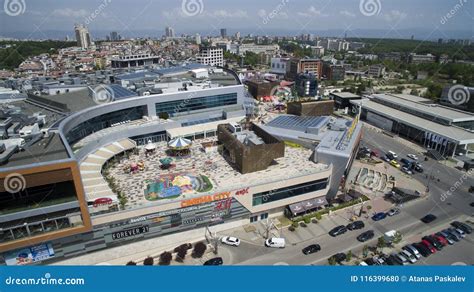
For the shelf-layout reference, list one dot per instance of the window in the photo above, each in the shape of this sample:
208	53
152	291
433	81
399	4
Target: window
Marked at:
179	106
288	192
253	219
263	216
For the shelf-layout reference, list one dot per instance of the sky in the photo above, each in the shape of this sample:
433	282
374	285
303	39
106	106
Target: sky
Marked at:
139	18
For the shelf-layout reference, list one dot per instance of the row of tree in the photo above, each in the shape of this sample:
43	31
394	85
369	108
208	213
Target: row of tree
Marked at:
181	251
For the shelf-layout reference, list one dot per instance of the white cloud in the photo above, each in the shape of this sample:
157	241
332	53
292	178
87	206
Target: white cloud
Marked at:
68	12
272	14
311	12
221	13
394	15
347	13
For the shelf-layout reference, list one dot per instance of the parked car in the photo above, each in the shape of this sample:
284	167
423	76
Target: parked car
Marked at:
448	237
367	235
434	241
410	258
393	212
401	258
441	239
370	262
406	162
380	261
275	242
386	159
423	249
428	218
379	216
230	240
341	229
339	257
419	168
454	236
214	262
412	156
355	225
406	170
454	232
391	260
311	249
412	250
392	155
461	232
463	226
395	163
429	246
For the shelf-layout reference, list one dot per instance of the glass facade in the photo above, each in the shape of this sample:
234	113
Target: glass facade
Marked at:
288	192
104	121
186	105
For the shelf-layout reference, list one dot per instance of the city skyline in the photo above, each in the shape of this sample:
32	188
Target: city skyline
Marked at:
55	19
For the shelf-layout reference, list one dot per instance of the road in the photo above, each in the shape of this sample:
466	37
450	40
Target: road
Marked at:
408	222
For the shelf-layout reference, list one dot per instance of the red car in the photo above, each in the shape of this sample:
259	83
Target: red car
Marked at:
441	239
429	246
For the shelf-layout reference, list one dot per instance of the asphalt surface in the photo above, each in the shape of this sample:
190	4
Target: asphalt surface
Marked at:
446	207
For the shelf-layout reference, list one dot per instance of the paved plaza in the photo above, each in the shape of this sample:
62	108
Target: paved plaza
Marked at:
198	163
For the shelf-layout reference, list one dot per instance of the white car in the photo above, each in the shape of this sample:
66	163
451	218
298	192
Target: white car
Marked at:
406	170
393	212
412	156
411	258
230	240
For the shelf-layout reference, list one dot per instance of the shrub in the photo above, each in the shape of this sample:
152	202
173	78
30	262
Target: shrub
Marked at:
181	254
318	216
331	261
349	256
165	258
131	263
291	228
294	224
314	220
302	224
149	261
307	219
199	249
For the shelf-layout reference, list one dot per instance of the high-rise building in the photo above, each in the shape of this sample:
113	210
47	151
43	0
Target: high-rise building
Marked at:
223	32
237	35
114	36
83	37
169	32
197	38
212	56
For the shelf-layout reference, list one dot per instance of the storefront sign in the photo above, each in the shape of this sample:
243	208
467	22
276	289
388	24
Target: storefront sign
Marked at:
242	192
102	202
29	255
205	199
192	220
130	232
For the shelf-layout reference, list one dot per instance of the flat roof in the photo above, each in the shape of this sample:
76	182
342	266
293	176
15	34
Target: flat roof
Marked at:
45	150
416	103
213	165
454	133
345	94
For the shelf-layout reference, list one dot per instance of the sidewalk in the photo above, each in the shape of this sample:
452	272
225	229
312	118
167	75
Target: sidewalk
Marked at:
137	251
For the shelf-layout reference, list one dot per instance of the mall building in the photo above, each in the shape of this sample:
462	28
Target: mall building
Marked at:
57	203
